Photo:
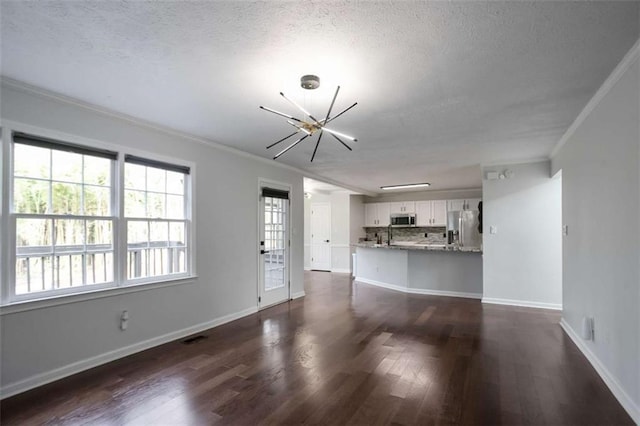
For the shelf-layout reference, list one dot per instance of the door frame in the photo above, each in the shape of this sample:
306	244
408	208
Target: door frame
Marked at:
322	203
262	182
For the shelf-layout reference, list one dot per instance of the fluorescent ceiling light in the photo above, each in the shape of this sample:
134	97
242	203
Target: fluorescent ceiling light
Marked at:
406	186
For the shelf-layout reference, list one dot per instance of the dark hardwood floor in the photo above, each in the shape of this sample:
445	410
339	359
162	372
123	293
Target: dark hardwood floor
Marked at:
346	353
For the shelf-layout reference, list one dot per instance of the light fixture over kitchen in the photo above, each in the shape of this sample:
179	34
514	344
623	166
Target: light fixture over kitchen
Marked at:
406	186
310	125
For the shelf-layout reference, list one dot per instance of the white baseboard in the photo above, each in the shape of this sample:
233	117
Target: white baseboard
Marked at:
297	295
85	364
612	383
420	290
523	303
307	268
341	270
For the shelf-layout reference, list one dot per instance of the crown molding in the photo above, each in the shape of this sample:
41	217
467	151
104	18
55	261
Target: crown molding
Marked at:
629	59
45	93
515	162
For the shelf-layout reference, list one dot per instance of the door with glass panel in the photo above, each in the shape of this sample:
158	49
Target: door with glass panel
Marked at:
274	247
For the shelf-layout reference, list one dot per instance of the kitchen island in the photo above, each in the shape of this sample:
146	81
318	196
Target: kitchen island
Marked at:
435	269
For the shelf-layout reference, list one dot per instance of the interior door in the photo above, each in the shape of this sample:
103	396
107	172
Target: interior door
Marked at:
274	247
321	236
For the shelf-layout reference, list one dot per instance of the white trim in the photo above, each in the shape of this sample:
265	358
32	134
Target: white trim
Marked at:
514	162
298	295
85	364
38	91
341	270
307	268
609	379
419	290
523	303
340	246
64	299
629	59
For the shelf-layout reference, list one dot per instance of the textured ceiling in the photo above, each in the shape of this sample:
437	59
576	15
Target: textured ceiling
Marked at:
442	86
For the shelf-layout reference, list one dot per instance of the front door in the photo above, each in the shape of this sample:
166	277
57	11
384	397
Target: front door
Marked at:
321	236
274	247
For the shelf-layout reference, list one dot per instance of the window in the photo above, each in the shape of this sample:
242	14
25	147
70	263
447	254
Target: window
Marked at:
64	210
155	212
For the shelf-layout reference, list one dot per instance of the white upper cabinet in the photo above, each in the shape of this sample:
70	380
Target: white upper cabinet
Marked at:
439	213
423	213
377	214
431	213
402	207
466	204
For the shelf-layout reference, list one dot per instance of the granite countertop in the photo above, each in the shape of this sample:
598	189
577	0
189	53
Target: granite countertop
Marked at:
406	245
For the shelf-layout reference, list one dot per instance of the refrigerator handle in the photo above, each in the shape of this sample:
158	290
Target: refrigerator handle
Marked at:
460	231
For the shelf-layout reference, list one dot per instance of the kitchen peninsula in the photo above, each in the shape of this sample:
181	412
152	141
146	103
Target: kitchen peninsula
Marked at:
436	269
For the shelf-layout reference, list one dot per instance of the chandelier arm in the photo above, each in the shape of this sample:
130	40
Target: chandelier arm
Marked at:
283	139
304	111
316	148
282	114
331	106
342	142
334	117
336	133
290	146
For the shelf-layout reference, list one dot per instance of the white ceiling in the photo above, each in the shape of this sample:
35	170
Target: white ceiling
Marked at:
442	86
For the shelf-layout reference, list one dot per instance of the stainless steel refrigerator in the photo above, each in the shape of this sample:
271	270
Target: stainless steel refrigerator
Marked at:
462	227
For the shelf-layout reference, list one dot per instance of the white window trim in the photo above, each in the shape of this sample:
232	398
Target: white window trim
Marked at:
9	302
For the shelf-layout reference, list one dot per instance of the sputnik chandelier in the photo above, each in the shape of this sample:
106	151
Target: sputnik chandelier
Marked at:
310	125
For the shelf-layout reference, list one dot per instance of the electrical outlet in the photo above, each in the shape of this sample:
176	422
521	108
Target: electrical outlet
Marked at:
426	234
124	320
493	229
565	230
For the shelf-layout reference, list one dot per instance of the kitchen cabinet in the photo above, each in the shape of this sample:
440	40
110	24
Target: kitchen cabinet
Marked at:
431	213
402	207
377	214
466	204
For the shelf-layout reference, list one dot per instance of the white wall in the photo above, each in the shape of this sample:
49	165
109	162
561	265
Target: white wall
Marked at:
340	229
356	221
601	205
43	344
522	262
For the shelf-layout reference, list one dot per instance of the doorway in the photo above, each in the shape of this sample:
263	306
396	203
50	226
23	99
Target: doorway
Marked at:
321	236
274	283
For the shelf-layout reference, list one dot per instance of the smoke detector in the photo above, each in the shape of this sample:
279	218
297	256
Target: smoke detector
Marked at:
310	81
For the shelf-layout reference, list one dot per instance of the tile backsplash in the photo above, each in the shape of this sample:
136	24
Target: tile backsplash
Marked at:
435	234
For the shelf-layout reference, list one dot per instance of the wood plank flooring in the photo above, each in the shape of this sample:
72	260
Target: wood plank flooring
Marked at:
347	353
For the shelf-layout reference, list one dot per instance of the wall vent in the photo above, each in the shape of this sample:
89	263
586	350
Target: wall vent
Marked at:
194	339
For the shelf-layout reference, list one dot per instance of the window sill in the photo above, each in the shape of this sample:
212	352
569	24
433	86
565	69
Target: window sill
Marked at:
47	302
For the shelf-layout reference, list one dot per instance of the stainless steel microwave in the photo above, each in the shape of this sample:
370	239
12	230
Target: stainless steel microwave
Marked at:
403	219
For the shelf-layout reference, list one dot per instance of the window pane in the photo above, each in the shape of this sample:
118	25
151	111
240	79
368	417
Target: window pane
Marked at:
97	171
96	200
135	176
159	234
68	271
69	232
137	232
176	234
33	274
156	179
134	204
155	205
66	198
175	183
66	166
175	207
99	267
31	161
30	196
99	232
34	233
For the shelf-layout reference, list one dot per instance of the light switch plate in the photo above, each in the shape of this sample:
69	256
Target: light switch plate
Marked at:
565	230
493	229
